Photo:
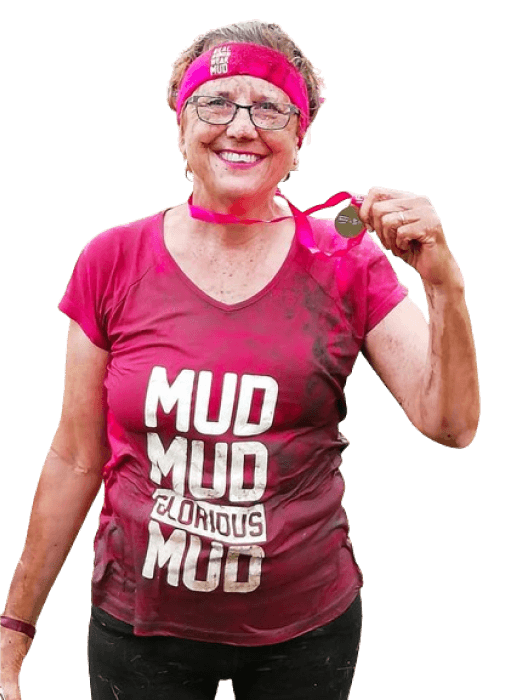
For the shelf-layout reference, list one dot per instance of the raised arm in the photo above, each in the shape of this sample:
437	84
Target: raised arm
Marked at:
431	370
69	482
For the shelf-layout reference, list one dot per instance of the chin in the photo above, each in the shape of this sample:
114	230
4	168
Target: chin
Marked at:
240	188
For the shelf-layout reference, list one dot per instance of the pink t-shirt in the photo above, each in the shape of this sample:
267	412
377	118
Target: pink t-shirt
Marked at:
222	518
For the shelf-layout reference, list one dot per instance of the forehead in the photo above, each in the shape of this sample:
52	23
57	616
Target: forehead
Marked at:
243	86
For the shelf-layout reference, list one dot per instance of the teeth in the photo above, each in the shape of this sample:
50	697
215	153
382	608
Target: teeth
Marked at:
239	157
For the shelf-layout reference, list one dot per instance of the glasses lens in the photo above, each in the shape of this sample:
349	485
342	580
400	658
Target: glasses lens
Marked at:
270	115
215	110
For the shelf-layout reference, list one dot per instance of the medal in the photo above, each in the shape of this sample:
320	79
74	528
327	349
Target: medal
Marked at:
348	223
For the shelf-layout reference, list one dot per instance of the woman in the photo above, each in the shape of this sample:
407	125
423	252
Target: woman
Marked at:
207	355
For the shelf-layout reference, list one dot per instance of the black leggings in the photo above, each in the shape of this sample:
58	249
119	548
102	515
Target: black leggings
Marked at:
318	665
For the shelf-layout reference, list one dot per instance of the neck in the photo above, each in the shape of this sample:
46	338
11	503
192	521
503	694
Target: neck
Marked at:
261	206
206	224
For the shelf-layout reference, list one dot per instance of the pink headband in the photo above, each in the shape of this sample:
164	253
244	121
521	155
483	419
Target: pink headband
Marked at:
247	59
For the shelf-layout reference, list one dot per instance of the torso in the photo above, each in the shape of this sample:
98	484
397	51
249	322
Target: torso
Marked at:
229	271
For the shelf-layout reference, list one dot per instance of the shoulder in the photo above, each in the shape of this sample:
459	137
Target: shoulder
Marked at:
119	256
124	238
357	272
330	242
338	265
114	260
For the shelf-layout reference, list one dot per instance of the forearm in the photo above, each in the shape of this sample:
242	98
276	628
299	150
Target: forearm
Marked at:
449	392
62	500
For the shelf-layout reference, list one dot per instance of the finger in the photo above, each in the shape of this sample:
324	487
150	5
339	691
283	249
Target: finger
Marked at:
403	239
409	237
374	195
388	225
357	199
384	207
379	194
389	216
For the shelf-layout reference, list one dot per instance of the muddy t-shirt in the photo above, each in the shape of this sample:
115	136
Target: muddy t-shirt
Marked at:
222	517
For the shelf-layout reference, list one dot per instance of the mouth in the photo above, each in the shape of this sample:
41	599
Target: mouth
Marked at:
239	158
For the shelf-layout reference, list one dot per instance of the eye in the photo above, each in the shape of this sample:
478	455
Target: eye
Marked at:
268	106
214	101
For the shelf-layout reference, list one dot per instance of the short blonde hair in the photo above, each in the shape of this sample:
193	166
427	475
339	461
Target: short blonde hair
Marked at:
252	32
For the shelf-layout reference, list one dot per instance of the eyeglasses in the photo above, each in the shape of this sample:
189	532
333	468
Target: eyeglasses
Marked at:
264	115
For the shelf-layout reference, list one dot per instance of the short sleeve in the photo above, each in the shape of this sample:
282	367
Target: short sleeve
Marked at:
384	291
83	300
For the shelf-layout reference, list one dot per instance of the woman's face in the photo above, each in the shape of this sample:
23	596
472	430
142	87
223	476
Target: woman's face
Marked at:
268	155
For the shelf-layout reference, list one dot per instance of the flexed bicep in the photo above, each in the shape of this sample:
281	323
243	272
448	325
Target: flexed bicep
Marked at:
396	348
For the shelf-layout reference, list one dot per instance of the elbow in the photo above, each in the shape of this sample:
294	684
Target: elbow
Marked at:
457	442
455	426
466	438
457	438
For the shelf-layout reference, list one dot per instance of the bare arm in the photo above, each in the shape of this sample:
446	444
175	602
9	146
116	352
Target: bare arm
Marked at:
70	480
431	370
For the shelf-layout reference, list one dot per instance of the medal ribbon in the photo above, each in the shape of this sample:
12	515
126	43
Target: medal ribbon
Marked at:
304	228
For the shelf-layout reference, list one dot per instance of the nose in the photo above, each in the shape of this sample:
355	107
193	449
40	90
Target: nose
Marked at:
241	126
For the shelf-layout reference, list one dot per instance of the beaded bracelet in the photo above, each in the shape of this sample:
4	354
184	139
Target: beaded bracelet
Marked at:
18	626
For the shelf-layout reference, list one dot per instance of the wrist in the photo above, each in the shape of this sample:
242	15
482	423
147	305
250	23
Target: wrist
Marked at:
442	274
451	282
16	625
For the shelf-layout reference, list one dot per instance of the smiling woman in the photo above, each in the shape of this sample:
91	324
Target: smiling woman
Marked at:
208	353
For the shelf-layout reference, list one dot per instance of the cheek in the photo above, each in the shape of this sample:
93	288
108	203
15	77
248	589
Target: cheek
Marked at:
198	136
288	154
281	144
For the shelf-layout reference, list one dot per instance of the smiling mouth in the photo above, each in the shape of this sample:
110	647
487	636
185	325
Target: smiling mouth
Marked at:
232	157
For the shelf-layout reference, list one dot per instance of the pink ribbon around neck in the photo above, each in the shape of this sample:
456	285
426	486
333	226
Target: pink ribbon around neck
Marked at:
304	228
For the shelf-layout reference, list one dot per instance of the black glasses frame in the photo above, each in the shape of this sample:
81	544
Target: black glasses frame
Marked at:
292	109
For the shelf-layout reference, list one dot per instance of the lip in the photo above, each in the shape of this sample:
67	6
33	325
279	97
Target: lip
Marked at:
239	164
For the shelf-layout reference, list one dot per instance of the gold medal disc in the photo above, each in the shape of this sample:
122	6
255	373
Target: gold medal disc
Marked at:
348	223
